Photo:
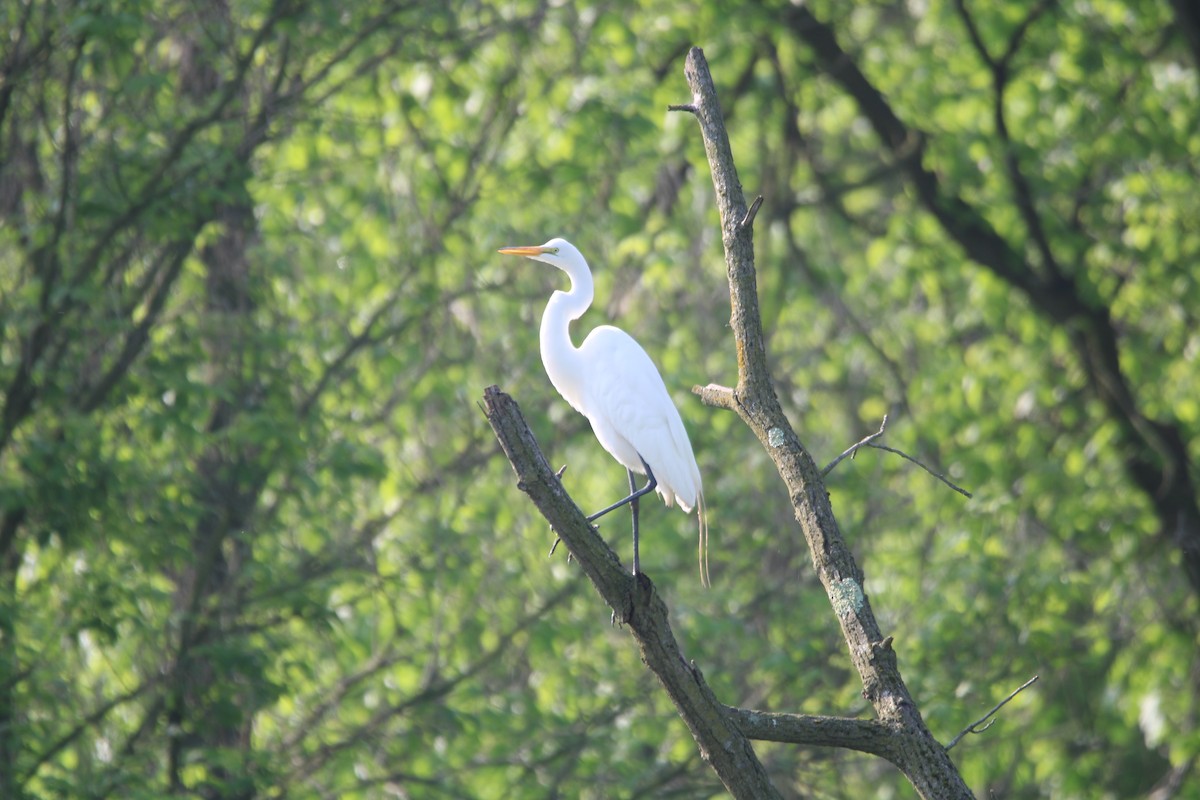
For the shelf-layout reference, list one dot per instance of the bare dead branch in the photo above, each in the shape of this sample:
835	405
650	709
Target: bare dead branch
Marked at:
635	602
924	762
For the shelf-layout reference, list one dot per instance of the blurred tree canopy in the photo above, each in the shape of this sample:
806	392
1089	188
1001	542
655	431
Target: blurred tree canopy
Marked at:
257	540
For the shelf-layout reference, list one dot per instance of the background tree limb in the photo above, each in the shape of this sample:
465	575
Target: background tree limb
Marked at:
1155	449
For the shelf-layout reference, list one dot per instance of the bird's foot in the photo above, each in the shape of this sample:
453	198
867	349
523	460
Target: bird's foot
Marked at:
557	539
554	547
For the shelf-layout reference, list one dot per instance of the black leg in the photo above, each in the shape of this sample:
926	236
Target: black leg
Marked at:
634	495
633	506
651	484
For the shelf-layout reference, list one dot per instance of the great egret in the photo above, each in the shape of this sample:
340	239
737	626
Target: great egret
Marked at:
611	381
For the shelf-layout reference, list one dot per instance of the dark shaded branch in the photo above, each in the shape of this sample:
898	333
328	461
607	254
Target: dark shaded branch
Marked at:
1172	784
94	718
432	692
973	34
18	59
1000	72
160	181
138	336
981	242
1155	451
1018	34
1187	22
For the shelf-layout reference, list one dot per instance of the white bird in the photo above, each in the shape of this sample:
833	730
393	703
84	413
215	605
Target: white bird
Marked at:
611	381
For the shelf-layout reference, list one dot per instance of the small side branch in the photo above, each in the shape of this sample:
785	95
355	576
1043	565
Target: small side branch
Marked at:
869	441
974	726
853	449
748	220
937	475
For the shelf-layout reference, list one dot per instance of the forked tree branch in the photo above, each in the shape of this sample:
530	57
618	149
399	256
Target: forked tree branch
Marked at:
853	449
912	748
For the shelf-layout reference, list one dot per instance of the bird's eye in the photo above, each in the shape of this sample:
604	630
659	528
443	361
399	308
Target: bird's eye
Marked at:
554	251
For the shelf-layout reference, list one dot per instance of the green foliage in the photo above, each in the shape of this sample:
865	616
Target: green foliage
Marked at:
256	539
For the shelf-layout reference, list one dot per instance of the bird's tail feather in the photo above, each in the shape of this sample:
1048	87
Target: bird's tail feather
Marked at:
702	513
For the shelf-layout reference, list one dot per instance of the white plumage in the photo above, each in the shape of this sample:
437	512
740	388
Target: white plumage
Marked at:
611	381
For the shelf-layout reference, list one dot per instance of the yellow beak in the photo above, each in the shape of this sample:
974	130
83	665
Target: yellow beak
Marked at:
524	251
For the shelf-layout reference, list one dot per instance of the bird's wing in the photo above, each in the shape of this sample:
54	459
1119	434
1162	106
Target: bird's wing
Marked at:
633	415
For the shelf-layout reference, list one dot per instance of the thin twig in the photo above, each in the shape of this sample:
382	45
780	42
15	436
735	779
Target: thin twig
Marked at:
869	441
974	726
853	449
688	107
937	475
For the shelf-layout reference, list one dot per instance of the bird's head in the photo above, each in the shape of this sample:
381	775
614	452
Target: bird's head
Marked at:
556	252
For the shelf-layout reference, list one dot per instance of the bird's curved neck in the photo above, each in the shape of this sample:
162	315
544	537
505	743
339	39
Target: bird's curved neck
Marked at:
559	354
